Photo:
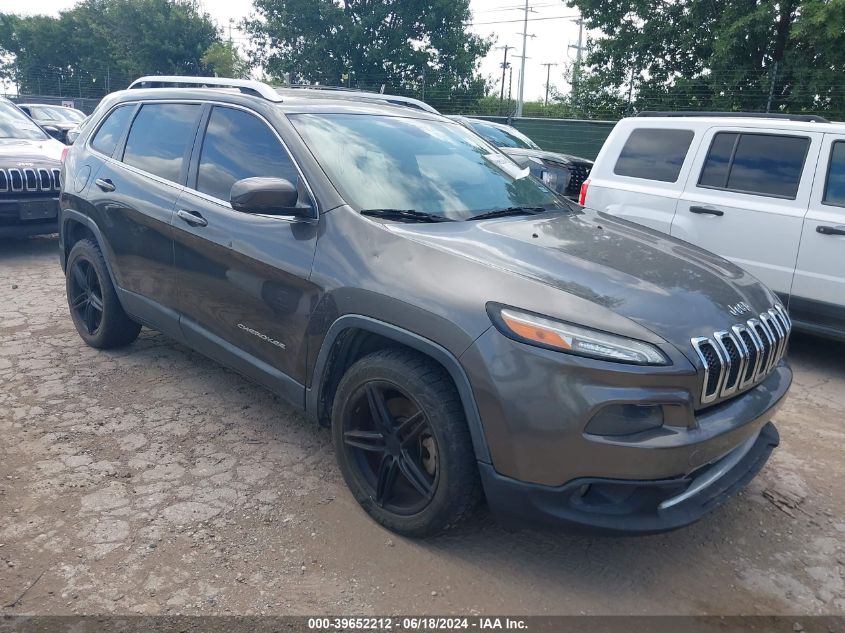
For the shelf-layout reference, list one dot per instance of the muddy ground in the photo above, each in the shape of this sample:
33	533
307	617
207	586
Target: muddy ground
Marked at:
151	480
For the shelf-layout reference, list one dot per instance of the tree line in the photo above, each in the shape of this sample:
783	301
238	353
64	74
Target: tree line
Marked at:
756	55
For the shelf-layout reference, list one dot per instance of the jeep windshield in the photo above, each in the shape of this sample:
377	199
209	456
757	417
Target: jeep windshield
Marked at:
15	124
429	167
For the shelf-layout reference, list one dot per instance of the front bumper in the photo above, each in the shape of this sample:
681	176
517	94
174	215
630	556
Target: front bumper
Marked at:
536	406
628	507
15	223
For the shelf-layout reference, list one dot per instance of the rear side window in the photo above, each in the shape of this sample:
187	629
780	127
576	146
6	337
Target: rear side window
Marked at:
160	138
761	164
239	145
654	154
834	190
107	137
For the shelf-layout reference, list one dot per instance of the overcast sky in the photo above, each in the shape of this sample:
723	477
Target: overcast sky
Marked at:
551	22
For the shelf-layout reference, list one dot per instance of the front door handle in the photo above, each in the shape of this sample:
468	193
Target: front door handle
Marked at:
707	211
105	184
192	217
830	230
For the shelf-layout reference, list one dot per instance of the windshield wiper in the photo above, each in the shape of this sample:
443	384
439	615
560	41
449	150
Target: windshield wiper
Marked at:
405	214
500	213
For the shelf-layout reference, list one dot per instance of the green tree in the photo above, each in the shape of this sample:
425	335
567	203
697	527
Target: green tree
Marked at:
409	47
103	44
224	60
719	54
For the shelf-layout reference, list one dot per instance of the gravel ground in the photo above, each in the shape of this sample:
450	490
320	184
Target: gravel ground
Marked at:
152	480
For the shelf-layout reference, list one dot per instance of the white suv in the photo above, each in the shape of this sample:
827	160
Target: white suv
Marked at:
767	192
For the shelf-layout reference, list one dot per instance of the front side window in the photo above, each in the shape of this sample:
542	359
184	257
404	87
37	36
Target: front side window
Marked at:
107	137
431	166
834	190
239	145
160	138
15	124
501	137
761	164
656	154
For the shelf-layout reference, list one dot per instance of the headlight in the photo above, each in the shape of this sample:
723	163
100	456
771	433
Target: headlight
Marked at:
573	339
555	178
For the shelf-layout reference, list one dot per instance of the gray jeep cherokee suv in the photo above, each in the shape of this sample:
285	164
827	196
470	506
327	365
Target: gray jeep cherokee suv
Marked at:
465	332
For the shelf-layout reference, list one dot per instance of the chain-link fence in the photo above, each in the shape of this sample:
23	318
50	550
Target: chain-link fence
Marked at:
575	121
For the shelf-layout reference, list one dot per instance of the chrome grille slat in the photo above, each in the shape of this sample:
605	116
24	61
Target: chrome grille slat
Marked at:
57	179
18	180
44	179
4	180
735	359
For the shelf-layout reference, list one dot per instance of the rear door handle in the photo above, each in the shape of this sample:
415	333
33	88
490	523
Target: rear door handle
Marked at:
830	230
105	184
192	217
707	211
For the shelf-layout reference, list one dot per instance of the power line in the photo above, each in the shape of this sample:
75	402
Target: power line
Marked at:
554	17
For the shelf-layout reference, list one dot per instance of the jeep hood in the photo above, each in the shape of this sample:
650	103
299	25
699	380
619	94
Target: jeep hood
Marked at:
519	155
18	150
674	289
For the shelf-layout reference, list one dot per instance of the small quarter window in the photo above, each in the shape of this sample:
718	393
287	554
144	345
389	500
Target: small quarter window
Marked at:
834	190
654	154
761	164
107	137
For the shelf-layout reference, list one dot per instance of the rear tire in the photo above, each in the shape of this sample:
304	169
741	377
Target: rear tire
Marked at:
94	307
411	464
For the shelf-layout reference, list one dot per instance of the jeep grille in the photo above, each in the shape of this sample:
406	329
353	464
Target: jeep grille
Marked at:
737	359
30	180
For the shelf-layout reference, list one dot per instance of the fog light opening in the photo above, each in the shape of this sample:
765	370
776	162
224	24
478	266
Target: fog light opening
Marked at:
626	419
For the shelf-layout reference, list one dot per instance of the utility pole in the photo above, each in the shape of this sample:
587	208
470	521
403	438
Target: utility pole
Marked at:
505	65
230	30
772	87
525	37
576	72
548	75
631	88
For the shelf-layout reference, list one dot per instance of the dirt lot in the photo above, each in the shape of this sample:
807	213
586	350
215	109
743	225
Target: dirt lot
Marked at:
151	480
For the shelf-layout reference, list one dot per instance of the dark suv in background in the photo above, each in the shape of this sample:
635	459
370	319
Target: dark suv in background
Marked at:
464	330
30	168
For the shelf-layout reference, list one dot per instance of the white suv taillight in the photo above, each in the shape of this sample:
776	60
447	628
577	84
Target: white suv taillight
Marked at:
64	153
582	197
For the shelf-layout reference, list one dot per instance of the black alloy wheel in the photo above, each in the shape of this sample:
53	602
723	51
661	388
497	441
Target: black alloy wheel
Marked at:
388	436
86	295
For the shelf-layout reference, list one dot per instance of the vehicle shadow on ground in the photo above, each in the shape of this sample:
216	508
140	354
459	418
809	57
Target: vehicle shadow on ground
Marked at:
15	248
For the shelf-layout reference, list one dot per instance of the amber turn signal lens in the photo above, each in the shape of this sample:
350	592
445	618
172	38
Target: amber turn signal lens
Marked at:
534	332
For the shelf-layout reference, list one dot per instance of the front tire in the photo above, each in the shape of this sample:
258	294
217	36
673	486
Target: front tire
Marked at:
403	445
96	311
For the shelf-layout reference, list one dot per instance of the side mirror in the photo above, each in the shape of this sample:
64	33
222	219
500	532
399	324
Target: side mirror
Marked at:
270	196
53	131
72	134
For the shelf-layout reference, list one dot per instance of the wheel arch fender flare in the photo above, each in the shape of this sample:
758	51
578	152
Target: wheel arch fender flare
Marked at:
71	215
404	337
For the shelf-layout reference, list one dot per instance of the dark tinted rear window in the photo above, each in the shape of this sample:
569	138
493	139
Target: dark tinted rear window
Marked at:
762	164
834	192
239	145
654	154
160	137
107	137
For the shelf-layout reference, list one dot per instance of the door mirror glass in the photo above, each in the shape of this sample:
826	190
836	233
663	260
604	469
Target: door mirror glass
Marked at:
53	131
270	196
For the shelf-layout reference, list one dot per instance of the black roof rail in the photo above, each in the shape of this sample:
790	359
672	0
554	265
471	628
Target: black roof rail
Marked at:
804	118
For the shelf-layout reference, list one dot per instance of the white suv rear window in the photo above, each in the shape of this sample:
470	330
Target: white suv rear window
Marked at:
654	154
